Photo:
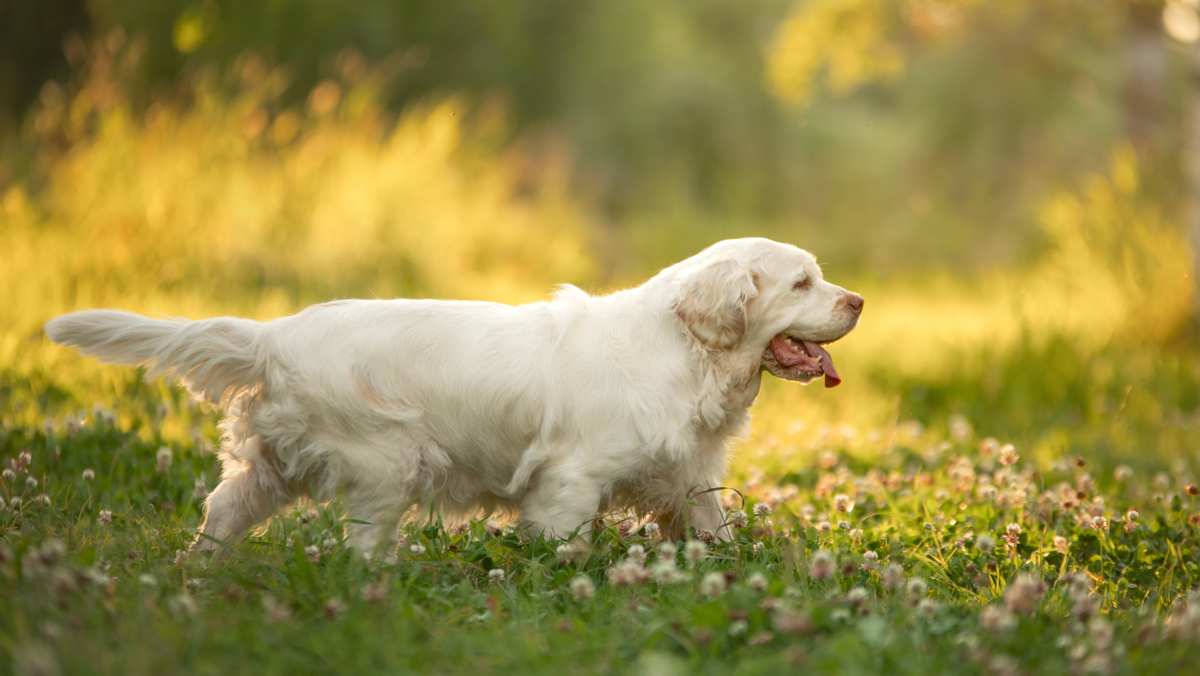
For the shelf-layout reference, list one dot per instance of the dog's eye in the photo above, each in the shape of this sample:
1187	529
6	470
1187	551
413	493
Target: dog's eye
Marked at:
802	284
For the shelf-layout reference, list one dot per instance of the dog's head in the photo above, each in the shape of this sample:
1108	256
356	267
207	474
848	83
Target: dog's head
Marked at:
757	294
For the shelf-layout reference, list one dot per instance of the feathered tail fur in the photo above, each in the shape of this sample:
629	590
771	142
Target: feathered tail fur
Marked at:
217	359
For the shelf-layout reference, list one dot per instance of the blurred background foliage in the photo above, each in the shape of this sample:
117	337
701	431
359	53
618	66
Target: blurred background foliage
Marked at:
1001	179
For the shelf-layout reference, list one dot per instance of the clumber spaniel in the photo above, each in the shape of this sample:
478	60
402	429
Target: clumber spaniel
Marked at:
559	409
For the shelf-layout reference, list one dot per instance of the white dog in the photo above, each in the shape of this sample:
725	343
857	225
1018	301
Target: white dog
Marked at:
559	409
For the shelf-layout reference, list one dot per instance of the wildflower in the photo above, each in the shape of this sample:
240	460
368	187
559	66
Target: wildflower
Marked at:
824	526
822	565
738	627
652	529
148	580
582	588
1099	523
375	592
313	553
757	582
1101	632
893	577
1123	473
162	459
870	555
31	483
89	474
985	543
762	509
1008	455
857	596
1023	593
496	575
1192	489
988	447
790	622
571	552
417	548
997	618
1013	530
694	551
15	502
843	503
856	535
44	499
757	548
713	585
1131	518
104	517
665	572
333	607
667	550
916	587
706	536
276	611
927	607
636	553
737	518
627	572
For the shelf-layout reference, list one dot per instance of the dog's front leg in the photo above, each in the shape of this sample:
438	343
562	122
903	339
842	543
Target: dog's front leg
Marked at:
560	502
706	514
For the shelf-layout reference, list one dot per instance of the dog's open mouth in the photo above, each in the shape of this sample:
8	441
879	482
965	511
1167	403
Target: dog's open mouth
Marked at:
794	359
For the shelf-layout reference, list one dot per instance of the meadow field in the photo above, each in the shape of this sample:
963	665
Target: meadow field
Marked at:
1006	483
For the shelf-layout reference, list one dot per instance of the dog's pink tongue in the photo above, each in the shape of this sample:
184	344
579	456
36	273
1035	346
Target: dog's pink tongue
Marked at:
832	379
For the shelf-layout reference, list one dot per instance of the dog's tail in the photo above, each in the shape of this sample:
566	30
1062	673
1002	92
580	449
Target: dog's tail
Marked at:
215	358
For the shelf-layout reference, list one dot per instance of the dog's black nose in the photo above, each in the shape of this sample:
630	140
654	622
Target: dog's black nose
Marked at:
854	302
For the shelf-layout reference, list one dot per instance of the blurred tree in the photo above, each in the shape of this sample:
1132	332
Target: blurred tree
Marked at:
31	48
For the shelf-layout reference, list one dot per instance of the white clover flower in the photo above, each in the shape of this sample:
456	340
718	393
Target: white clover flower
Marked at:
582	588
652	530
713	585
313	553
893	577
824	526
496	575
694	551
148	580
857	596
8	474
757	582
44	499
738	627
1062	545
162	459
997	619
927	607
571	552
757	548
31	483
104	517
1123	473
417	548
665	572
636	553
1023	593
89	474
916	587
871	555
843	503
667	550
1008	455
822	565
985	543
627	572
762	509
737	518
1099	523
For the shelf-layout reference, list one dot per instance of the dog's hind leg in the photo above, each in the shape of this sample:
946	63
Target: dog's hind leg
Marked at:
250	492
561	502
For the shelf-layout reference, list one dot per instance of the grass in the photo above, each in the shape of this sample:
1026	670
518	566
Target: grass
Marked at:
94	583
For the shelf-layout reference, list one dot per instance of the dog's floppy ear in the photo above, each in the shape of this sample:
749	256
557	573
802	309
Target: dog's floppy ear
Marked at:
711	302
